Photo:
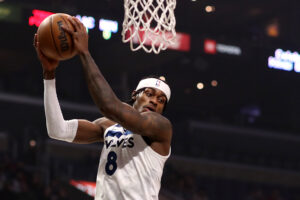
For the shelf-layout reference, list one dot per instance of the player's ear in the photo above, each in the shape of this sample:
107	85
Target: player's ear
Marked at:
133	95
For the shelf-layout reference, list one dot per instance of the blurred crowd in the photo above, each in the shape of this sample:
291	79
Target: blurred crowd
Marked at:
188	186
21	182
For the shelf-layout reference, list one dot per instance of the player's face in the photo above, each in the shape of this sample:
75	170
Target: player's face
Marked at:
150	100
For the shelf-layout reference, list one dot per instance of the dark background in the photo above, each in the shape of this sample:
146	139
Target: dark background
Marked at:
234	135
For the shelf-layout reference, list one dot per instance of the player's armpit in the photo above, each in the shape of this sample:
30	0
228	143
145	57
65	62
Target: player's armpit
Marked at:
90	132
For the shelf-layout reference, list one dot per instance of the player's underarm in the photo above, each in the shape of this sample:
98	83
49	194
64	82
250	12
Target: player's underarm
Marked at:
88	132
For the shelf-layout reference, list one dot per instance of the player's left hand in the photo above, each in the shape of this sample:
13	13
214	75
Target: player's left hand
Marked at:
48	64
79	35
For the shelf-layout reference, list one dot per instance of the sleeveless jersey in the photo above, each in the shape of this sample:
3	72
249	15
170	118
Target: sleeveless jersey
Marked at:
129	169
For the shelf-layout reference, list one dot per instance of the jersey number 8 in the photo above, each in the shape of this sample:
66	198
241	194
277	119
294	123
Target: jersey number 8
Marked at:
111	165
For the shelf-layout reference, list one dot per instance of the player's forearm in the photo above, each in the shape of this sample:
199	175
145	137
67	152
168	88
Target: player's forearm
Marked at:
57	127
101	92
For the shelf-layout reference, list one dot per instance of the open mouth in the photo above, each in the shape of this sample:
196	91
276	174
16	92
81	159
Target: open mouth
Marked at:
148	108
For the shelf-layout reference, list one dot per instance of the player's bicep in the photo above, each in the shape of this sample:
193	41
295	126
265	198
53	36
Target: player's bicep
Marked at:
149	124
155	126
88	132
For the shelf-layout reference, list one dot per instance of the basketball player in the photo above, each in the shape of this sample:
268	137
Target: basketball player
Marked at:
136	137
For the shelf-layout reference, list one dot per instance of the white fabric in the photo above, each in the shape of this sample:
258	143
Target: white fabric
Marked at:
57	127
149	24
136	170
155	83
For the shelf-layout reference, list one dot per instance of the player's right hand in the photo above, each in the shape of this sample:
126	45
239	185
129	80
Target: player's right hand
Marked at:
48	64
79	35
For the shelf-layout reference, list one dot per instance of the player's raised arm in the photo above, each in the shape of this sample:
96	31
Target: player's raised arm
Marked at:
150	124
77	131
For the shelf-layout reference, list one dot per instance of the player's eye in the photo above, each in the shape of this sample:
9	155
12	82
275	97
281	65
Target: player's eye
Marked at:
148	94
161	100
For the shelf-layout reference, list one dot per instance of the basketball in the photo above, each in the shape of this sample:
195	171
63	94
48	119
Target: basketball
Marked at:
54	42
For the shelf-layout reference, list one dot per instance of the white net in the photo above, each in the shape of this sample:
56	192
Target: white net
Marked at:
149	24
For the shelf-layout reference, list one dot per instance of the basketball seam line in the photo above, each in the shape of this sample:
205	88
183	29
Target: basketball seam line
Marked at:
53	38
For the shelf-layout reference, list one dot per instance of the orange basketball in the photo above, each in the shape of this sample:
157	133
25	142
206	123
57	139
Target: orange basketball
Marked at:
54	42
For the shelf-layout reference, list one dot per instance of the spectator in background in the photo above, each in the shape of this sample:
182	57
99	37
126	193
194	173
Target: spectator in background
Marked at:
7	192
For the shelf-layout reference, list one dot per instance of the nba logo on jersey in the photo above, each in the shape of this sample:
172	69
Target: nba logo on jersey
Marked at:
157	83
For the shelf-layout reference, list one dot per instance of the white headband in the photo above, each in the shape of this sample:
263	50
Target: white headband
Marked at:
155	83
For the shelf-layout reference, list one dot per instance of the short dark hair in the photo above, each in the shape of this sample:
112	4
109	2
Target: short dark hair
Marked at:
131	101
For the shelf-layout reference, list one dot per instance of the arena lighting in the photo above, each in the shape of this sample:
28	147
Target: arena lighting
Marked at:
209	9
106	35
229	49
285	60
212	47
38	17
162	78
10	13
108	25
214	83
88	22
32	143
272	29
85	186
200	86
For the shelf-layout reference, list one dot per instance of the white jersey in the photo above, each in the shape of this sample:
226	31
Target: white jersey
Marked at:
129	169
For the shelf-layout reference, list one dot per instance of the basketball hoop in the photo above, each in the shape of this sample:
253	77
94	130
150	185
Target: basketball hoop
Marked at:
149	24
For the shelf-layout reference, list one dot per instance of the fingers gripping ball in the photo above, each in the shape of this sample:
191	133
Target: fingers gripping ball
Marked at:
54	42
